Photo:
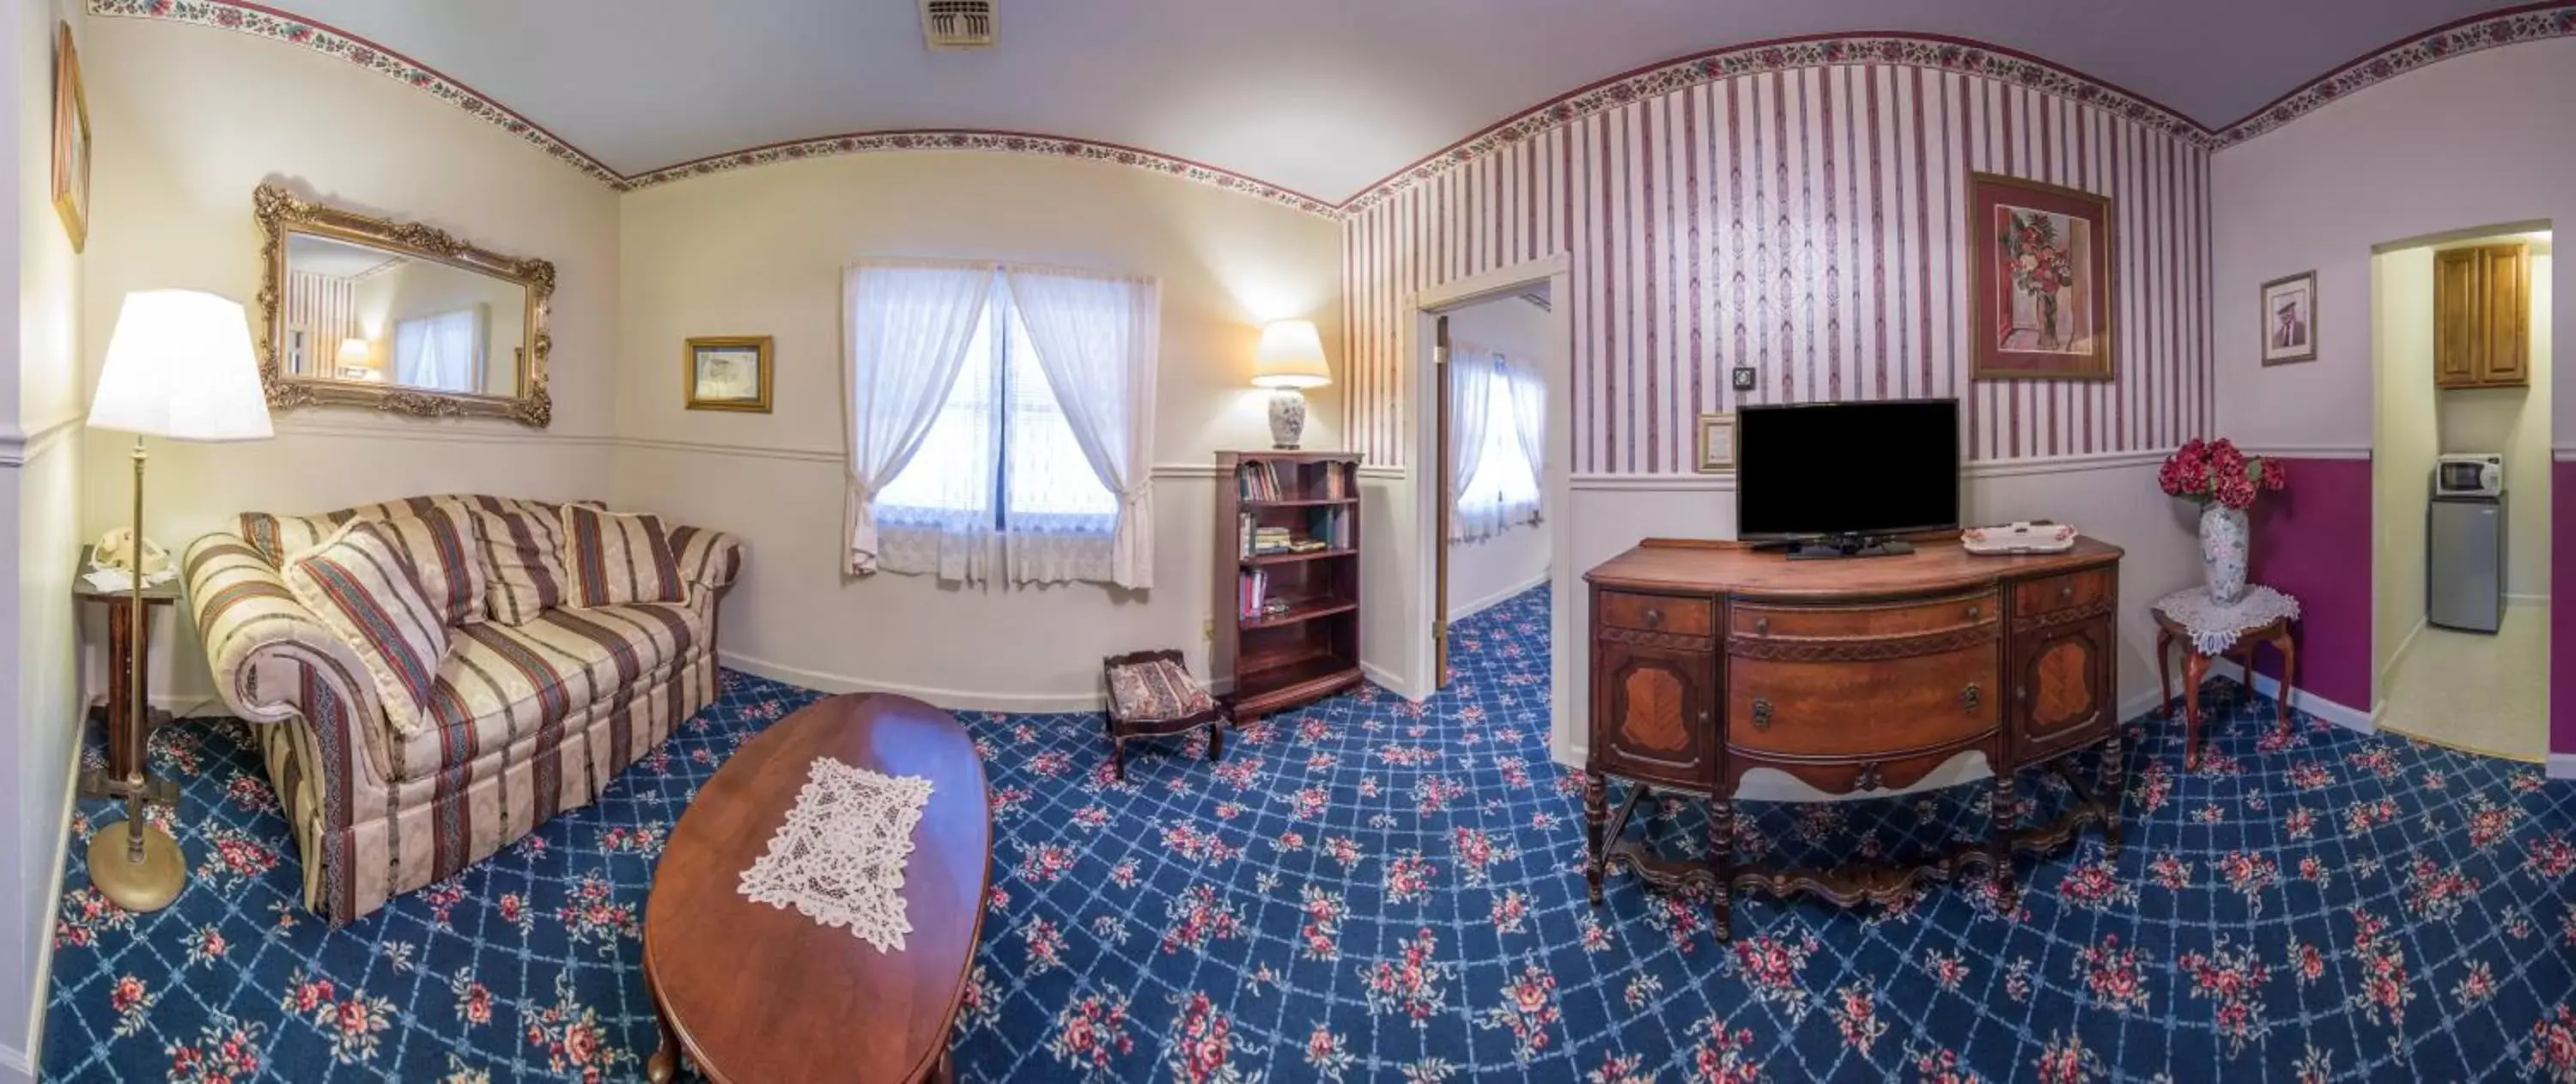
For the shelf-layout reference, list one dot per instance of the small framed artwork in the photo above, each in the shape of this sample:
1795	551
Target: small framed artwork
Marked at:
2040	281
728	372
71	141
1716	443
2290	319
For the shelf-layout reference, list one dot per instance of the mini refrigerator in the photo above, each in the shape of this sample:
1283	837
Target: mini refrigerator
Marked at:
2464	562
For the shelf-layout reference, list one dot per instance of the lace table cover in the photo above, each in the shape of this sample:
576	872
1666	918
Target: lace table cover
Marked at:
2214	627
839	858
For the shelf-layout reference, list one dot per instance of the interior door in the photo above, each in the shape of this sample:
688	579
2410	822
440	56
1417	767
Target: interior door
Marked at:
1448	498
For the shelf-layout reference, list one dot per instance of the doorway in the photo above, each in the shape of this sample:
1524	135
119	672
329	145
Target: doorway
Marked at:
1496	551
2461	334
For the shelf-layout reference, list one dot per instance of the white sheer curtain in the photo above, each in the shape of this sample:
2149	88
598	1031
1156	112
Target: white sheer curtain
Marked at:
1529	423
1095	336
1471	384
441	352
907	329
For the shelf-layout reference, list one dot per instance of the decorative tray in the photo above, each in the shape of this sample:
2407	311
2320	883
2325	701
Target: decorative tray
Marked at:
2019	538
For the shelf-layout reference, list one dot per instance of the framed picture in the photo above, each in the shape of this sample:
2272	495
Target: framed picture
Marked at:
71	140
2039	281
2290	319
728	372
1716	443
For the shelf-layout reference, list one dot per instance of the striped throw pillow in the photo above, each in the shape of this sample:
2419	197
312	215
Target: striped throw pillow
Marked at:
619	557
276	537
522	555
445	547
362	588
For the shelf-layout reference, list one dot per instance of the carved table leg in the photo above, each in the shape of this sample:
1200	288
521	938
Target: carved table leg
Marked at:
2115	780
2289	650
1216	740
1721	860
1596	800
2164	677
664	1066
2194	666
2002	823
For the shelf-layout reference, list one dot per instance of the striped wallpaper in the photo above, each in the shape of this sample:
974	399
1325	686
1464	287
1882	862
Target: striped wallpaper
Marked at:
1806	222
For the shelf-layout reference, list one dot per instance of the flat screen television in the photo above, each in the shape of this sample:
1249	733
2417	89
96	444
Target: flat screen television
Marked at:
1831	470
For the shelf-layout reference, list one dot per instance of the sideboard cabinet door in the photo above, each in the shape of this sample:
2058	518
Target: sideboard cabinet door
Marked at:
2064	687
1654	712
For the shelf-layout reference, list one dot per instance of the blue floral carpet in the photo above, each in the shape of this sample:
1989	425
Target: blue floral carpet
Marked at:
1375	890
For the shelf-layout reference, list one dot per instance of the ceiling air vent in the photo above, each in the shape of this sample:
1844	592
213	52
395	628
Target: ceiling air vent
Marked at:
952	25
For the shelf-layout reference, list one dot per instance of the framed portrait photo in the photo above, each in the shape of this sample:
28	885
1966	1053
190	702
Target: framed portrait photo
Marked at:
2290	319
71	140
728	372
1716	444
2040	281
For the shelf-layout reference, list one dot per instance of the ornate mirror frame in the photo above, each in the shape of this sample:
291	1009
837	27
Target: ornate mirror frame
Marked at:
280	213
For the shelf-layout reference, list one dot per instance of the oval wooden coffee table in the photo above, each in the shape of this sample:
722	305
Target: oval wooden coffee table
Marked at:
752	992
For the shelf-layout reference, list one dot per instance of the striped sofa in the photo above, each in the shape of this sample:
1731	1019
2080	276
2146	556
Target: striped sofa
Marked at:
528	720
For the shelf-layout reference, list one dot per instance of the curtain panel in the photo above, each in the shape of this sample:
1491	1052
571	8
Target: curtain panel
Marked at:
1097	337
905	329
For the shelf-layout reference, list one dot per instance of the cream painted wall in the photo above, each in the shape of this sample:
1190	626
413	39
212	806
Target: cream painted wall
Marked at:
2515	422
1487	571
40	471
2408	435
760	252
198	119
2476	140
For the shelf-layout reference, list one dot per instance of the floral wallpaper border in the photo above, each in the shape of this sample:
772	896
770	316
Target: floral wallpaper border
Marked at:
2536	22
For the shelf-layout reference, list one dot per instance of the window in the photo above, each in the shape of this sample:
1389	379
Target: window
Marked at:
1045	499
443	352
1503	490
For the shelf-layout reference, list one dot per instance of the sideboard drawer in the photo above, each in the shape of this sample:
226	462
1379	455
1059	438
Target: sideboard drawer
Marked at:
1863	621
1862	709
1671	614
2032	598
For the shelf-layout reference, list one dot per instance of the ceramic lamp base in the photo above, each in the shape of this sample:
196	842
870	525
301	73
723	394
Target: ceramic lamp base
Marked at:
1287	418
147	885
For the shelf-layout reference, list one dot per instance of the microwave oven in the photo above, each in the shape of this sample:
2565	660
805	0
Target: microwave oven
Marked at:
2468	475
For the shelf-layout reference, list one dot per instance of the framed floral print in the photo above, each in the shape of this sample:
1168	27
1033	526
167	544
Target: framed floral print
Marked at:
71	140
728	372
2290	319
1716	444
2040	281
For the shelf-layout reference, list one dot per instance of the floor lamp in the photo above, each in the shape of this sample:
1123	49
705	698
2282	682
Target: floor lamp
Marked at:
178	366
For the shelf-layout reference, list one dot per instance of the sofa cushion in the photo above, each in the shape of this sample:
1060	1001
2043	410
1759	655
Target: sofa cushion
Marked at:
360	586
522	556
505	681
277	537
619	557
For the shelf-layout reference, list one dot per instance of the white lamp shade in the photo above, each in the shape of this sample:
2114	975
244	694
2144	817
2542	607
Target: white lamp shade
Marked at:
179	366
355	352
1291	356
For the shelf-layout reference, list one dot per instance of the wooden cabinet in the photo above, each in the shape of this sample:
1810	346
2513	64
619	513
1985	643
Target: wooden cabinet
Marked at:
2482	317
1710	660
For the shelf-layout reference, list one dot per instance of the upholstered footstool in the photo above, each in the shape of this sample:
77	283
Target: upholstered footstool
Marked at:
1151	695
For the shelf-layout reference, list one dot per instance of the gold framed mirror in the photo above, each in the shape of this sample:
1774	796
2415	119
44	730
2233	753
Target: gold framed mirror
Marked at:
397	316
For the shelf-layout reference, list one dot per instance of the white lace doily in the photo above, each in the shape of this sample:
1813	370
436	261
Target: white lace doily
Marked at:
2213	627
839	858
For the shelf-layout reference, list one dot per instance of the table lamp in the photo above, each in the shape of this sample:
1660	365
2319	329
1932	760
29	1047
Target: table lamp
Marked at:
354	354
1291	359
178	366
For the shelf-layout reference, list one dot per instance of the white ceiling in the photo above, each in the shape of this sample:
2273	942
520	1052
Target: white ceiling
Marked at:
1321	96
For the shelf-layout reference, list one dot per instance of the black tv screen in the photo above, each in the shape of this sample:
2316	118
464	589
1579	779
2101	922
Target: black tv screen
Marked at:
1846	468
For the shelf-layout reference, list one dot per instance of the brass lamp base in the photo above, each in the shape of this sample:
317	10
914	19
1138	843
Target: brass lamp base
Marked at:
147	885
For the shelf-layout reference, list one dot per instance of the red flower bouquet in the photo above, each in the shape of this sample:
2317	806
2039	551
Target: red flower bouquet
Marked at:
2216	471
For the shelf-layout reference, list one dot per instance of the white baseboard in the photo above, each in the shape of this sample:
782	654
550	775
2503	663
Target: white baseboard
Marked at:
951	699
16	1067
2386	672
1386	680
25	1062
2562	765
1459	613
2349	718
2526	600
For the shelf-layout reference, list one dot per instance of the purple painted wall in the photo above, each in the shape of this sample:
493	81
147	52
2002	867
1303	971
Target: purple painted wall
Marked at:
2562	617
2312	541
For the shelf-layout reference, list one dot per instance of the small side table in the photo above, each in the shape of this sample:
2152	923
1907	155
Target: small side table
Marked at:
2209	631
126	745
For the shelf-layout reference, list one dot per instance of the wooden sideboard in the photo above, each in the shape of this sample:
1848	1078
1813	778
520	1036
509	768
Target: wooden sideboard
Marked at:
1710	659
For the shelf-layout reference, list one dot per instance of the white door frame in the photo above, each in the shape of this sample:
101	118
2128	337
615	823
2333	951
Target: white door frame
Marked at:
1555	482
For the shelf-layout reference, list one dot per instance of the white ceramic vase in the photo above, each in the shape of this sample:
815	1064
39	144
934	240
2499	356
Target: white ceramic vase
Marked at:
1287	418
2223	541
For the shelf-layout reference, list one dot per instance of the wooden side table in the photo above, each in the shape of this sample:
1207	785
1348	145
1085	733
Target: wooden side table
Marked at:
126	745
2195	666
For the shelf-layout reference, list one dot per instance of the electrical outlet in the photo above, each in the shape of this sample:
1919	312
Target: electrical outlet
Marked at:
1744	378
1207	629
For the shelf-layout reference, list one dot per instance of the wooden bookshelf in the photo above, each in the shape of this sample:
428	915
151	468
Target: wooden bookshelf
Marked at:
1304	644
